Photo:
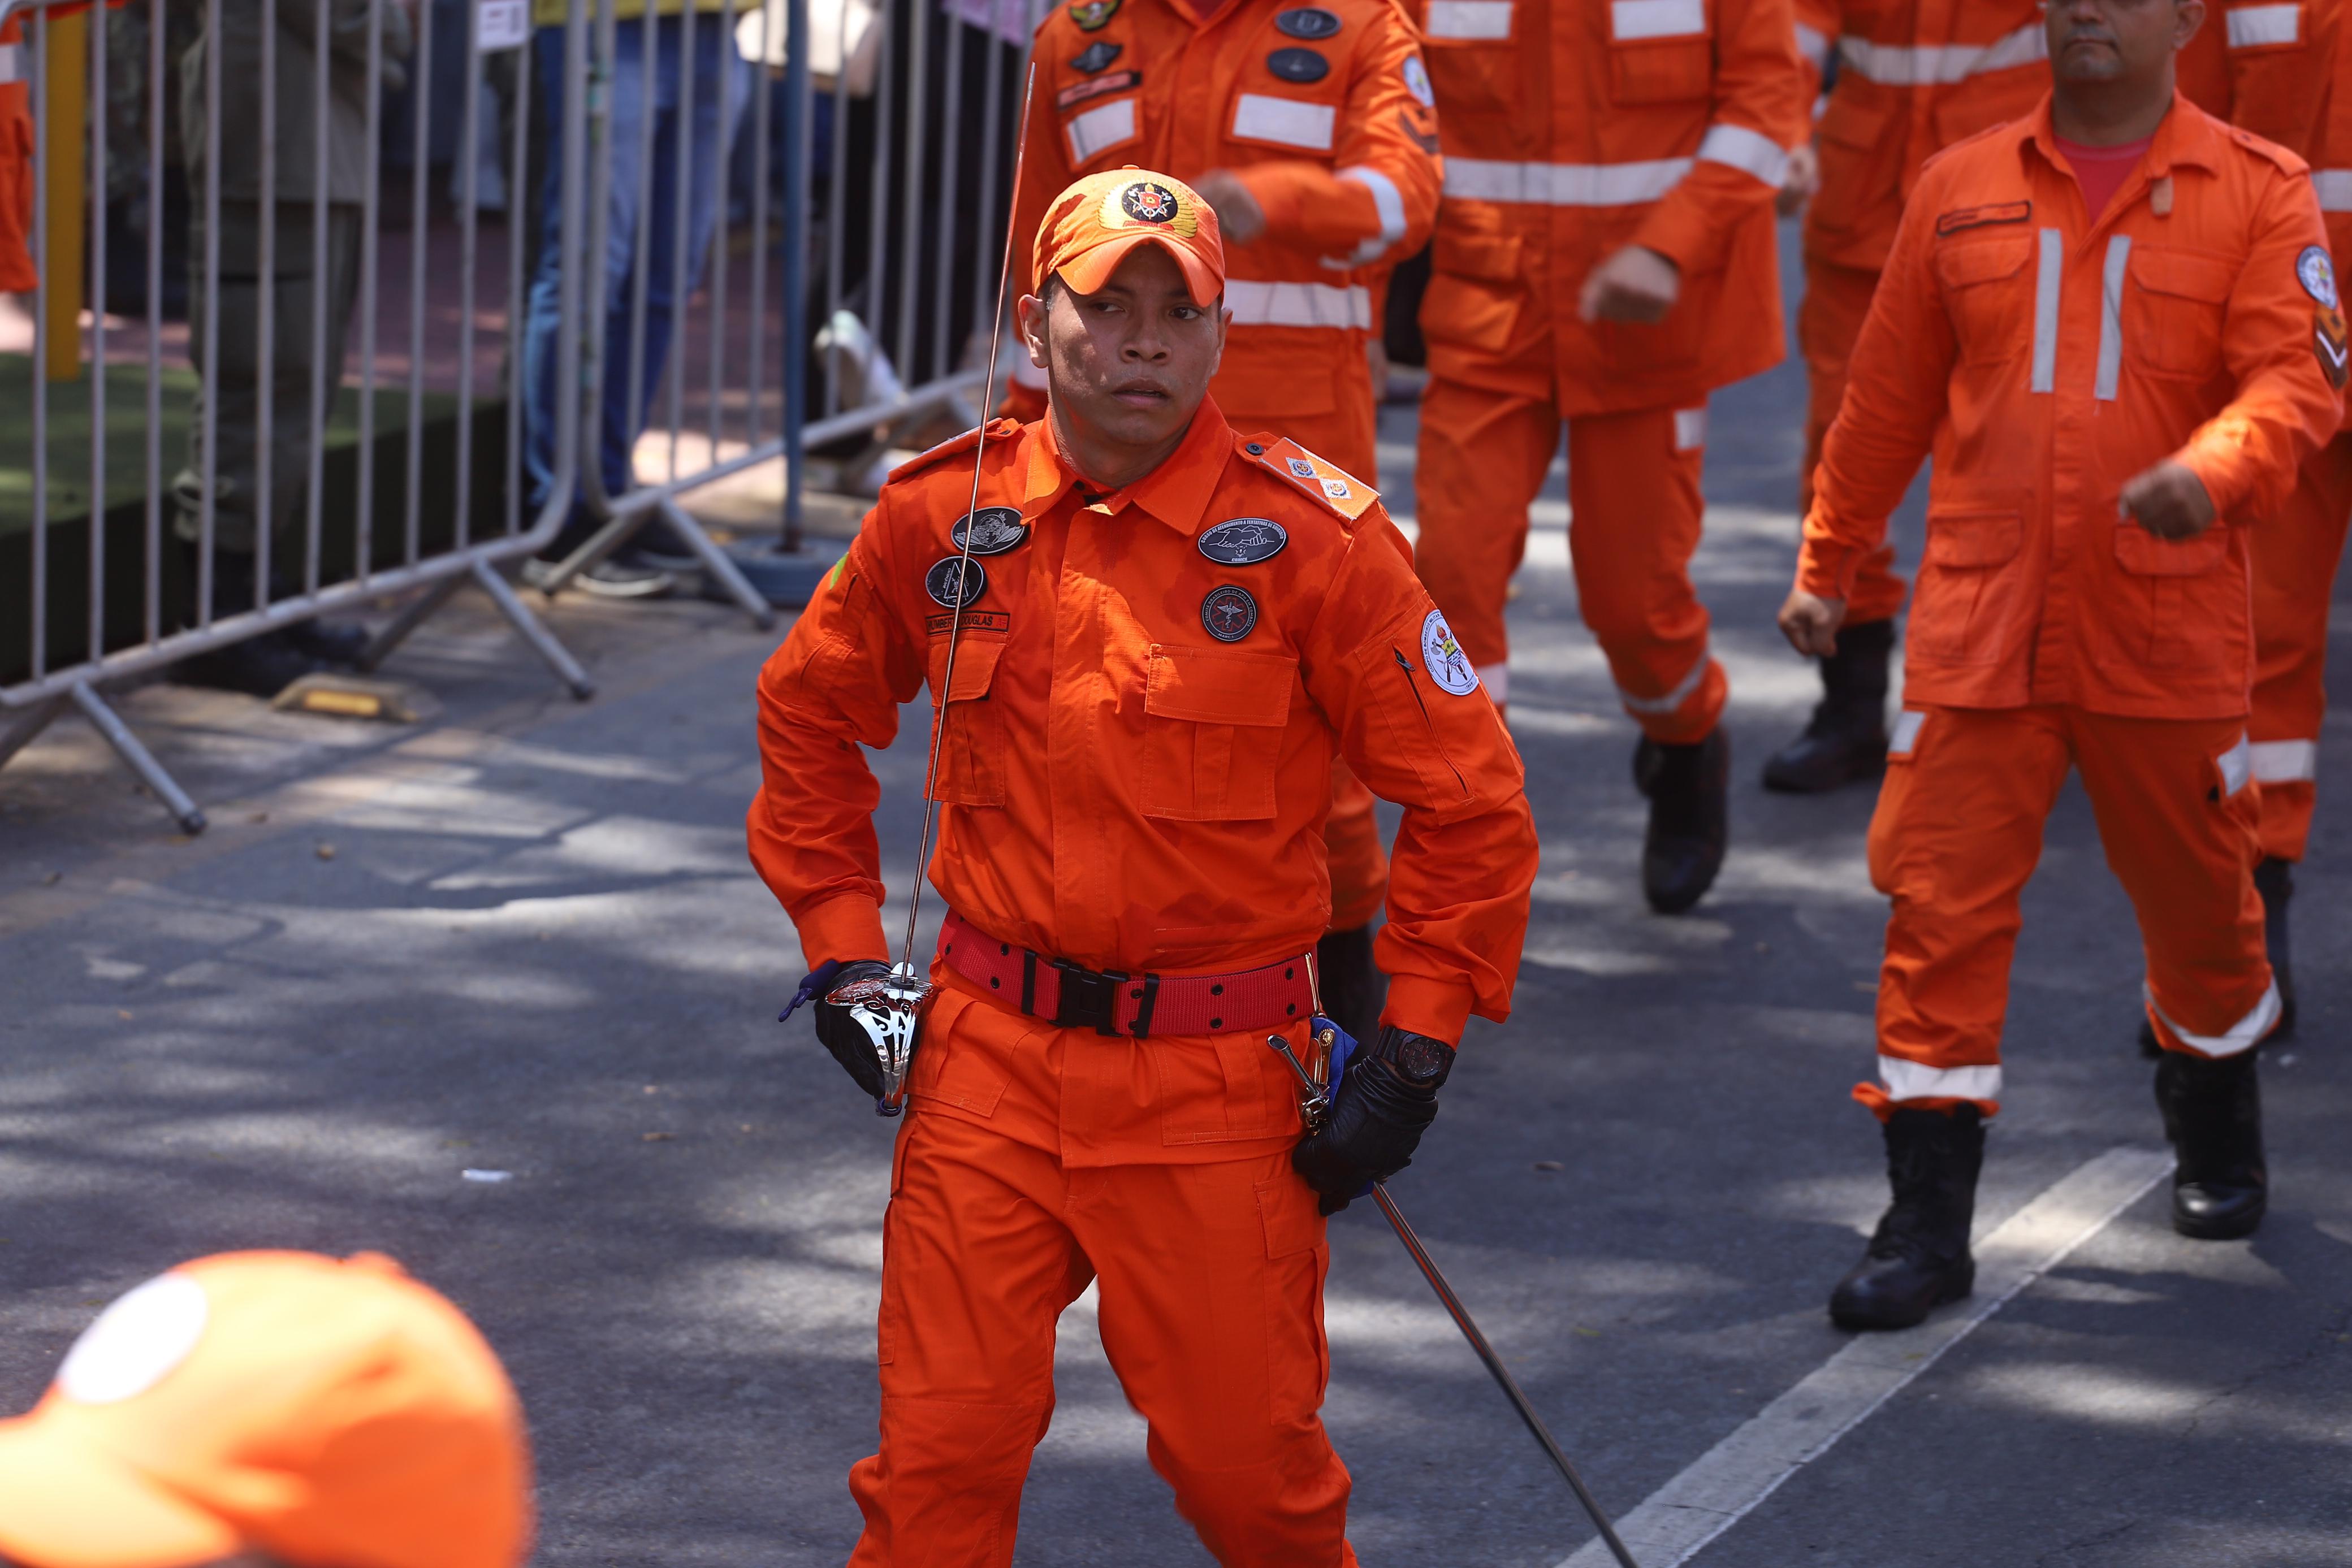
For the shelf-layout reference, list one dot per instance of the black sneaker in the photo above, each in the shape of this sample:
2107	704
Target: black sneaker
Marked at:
258	666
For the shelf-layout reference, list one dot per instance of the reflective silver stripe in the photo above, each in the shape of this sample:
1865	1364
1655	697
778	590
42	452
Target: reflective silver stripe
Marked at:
2111	318
1913	1080
1259	117
1748	151
1630	19
2286	761
1905	734
2252	27
1496	679
1298	305
1814	44
1388	203
1474	19
2334	188
12	62
1564	184
1690	428
1098	129
2237	765
2046	273
1673	699
2243	1035
1930	64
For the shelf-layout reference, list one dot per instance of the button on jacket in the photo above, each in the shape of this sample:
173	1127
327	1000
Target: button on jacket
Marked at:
2047	360
1573	129
1137	762
1322	108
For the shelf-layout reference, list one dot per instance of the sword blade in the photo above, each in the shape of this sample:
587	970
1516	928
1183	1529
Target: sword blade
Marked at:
1502	1375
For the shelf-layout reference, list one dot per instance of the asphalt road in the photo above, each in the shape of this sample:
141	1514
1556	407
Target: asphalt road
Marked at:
523	937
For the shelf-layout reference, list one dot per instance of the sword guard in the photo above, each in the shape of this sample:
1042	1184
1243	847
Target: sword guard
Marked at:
889	1009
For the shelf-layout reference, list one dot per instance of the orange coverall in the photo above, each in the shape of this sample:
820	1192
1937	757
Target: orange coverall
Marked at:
2284	66
17	273
1328	123
1571	129
2046	359
1125	790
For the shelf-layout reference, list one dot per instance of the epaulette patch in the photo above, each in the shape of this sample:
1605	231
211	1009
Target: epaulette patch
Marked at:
1334	486
2288	164
998	430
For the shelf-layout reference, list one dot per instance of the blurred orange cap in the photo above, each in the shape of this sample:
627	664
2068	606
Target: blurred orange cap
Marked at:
1091	226
324	1412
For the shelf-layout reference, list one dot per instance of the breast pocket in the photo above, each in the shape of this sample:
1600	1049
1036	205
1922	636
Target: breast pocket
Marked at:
1965	595
2174	308
1212	726
971	738
1659	51
1475	62
2186	593
1989	294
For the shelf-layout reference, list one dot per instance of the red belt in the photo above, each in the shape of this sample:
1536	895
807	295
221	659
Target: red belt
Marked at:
1071	997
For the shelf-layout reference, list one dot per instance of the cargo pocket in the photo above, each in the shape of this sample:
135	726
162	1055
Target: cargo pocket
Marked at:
1860	165
1659	51
1956	614
1987	294
1475	294
1475	60
1213	727
971	738
2173	311
2183	590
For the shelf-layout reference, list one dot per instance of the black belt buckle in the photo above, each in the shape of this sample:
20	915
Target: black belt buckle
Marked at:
1090	998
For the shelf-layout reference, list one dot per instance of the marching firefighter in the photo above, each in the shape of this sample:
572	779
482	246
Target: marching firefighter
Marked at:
1605	255
1911	80
1308	128
1164	632
2115	324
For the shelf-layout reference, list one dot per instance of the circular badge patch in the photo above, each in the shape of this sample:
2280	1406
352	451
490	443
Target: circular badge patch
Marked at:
941	582
1309	22
1244	541
1448	665
1228	613
1301	65
1148	203
1417	82
2317	274
994	530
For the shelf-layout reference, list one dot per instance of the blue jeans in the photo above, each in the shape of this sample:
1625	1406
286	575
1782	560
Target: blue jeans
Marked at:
623	415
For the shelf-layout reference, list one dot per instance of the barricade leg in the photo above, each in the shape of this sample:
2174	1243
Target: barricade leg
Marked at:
108	723
19	730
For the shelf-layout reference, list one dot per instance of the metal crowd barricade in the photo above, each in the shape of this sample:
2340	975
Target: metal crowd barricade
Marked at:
150	563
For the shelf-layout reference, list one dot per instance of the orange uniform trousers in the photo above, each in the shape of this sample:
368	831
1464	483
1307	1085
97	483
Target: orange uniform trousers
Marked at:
1829	319
1633	525
1956	837
2295	555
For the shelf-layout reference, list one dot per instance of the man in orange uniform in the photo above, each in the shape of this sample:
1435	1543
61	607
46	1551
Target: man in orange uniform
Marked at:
1308	125
259	1408
1604	256
1168	629
2113	323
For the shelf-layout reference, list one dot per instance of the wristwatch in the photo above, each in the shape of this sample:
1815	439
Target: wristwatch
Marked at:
1417	1059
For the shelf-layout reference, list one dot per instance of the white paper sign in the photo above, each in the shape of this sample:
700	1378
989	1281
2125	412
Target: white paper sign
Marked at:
501	25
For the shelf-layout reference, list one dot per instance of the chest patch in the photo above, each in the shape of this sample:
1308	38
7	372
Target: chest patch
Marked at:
1447	664
1228	613
1960	218
948	587
1077	93
1091	14
1301	65
1243	541
1097	56
1309	22
973	620
993	531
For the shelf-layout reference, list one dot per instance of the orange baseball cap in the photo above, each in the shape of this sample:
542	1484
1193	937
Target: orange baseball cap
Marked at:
1092	225
322	1411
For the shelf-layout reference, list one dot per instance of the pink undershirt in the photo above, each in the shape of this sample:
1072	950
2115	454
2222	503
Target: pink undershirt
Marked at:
2102	171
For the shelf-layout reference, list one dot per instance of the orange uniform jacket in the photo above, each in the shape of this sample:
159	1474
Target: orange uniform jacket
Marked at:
1125	788
17	273
1322	108
1913	77
1574	127
2046	359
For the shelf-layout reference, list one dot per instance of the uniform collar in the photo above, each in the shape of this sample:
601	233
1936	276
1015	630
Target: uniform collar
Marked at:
1176	493
2186	134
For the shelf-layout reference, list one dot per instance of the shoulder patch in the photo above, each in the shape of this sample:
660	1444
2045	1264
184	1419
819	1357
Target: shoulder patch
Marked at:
998	430
1334	486
2288	164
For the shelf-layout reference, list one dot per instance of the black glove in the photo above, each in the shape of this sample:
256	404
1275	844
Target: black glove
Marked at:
1388	1097
836	1029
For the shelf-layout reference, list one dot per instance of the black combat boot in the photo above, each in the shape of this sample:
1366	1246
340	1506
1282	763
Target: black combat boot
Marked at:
1918	1257
2274	880
260	665
1688	787
1352	989
1846	739
2213	1114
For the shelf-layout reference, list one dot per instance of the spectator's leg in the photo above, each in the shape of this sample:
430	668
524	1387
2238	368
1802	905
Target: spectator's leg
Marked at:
541	348
231	342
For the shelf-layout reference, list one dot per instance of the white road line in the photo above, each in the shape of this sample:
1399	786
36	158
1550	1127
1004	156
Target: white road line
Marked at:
1729	1479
